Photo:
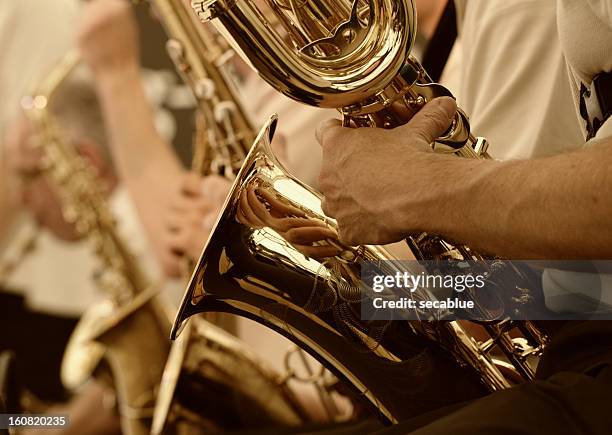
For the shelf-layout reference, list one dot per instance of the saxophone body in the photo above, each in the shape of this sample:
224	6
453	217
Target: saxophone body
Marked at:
353	56
212	383
121	340
249	267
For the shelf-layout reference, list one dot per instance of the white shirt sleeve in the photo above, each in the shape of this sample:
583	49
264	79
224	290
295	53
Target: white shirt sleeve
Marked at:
514	83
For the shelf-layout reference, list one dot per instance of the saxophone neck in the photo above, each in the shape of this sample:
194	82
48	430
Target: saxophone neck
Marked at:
203	59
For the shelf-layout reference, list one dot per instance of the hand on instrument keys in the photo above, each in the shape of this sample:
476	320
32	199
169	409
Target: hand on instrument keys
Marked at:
38	193
108	36
378	183
190	219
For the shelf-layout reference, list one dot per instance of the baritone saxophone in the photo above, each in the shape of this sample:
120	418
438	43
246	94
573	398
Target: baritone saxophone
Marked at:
352	55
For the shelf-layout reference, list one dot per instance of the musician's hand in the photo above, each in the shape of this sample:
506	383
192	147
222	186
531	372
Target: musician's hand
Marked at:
376	182
38	194
191	218
108	36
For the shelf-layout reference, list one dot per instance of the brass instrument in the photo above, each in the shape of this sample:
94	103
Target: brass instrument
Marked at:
211	381
276	258
203	59
114	336
26	244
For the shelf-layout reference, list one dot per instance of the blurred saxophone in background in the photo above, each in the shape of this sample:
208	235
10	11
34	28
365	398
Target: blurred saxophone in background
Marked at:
203	59
275	257
121	340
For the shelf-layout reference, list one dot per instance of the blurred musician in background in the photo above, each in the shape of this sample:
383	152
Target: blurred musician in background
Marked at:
58	276
44	290
75	105
177	207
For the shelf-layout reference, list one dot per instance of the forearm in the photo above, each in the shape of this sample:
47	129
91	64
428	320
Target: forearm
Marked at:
137	147
146	164
555	208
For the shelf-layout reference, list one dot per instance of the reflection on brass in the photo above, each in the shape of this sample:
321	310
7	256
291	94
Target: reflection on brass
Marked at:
289	270
308	288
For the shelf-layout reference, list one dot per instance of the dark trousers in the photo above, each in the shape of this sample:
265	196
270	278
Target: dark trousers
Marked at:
571	395
38	340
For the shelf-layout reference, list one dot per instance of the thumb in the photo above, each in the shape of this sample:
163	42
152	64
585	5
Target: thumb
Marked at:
433	120
325	128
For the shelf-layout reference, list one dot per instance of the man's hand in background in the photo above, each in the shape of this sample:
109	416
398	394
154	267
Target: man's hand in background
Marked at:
108	37
190	218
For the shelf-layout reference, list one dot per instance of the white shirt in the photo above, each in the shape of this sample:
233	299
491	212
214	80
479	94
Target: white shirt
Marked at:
585	29
515	87
56	277
514	84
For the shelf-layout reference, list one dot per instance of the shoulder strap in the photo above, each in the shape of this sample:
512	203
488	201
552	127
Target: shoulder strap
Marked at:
441	43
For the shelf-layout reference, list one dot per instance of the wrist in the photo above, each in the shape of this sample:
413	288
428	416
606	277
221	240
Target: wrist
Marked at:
447	200
116	80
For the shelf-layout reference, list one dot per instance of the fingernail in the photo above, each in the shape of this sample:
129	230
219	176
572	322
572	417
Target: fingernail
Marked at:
448	106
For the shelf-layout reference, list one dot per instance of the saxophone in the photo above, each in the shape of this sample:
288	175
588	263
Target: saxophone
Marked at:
123	337
208	361
353	55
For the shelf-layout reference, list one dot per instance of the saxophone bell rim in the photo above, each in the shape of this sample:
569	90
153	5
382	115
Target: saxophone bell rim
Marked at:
188	308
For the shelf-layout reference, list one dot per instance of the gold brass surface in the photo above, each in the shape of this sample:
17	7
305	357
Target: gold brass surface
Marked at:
311	294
